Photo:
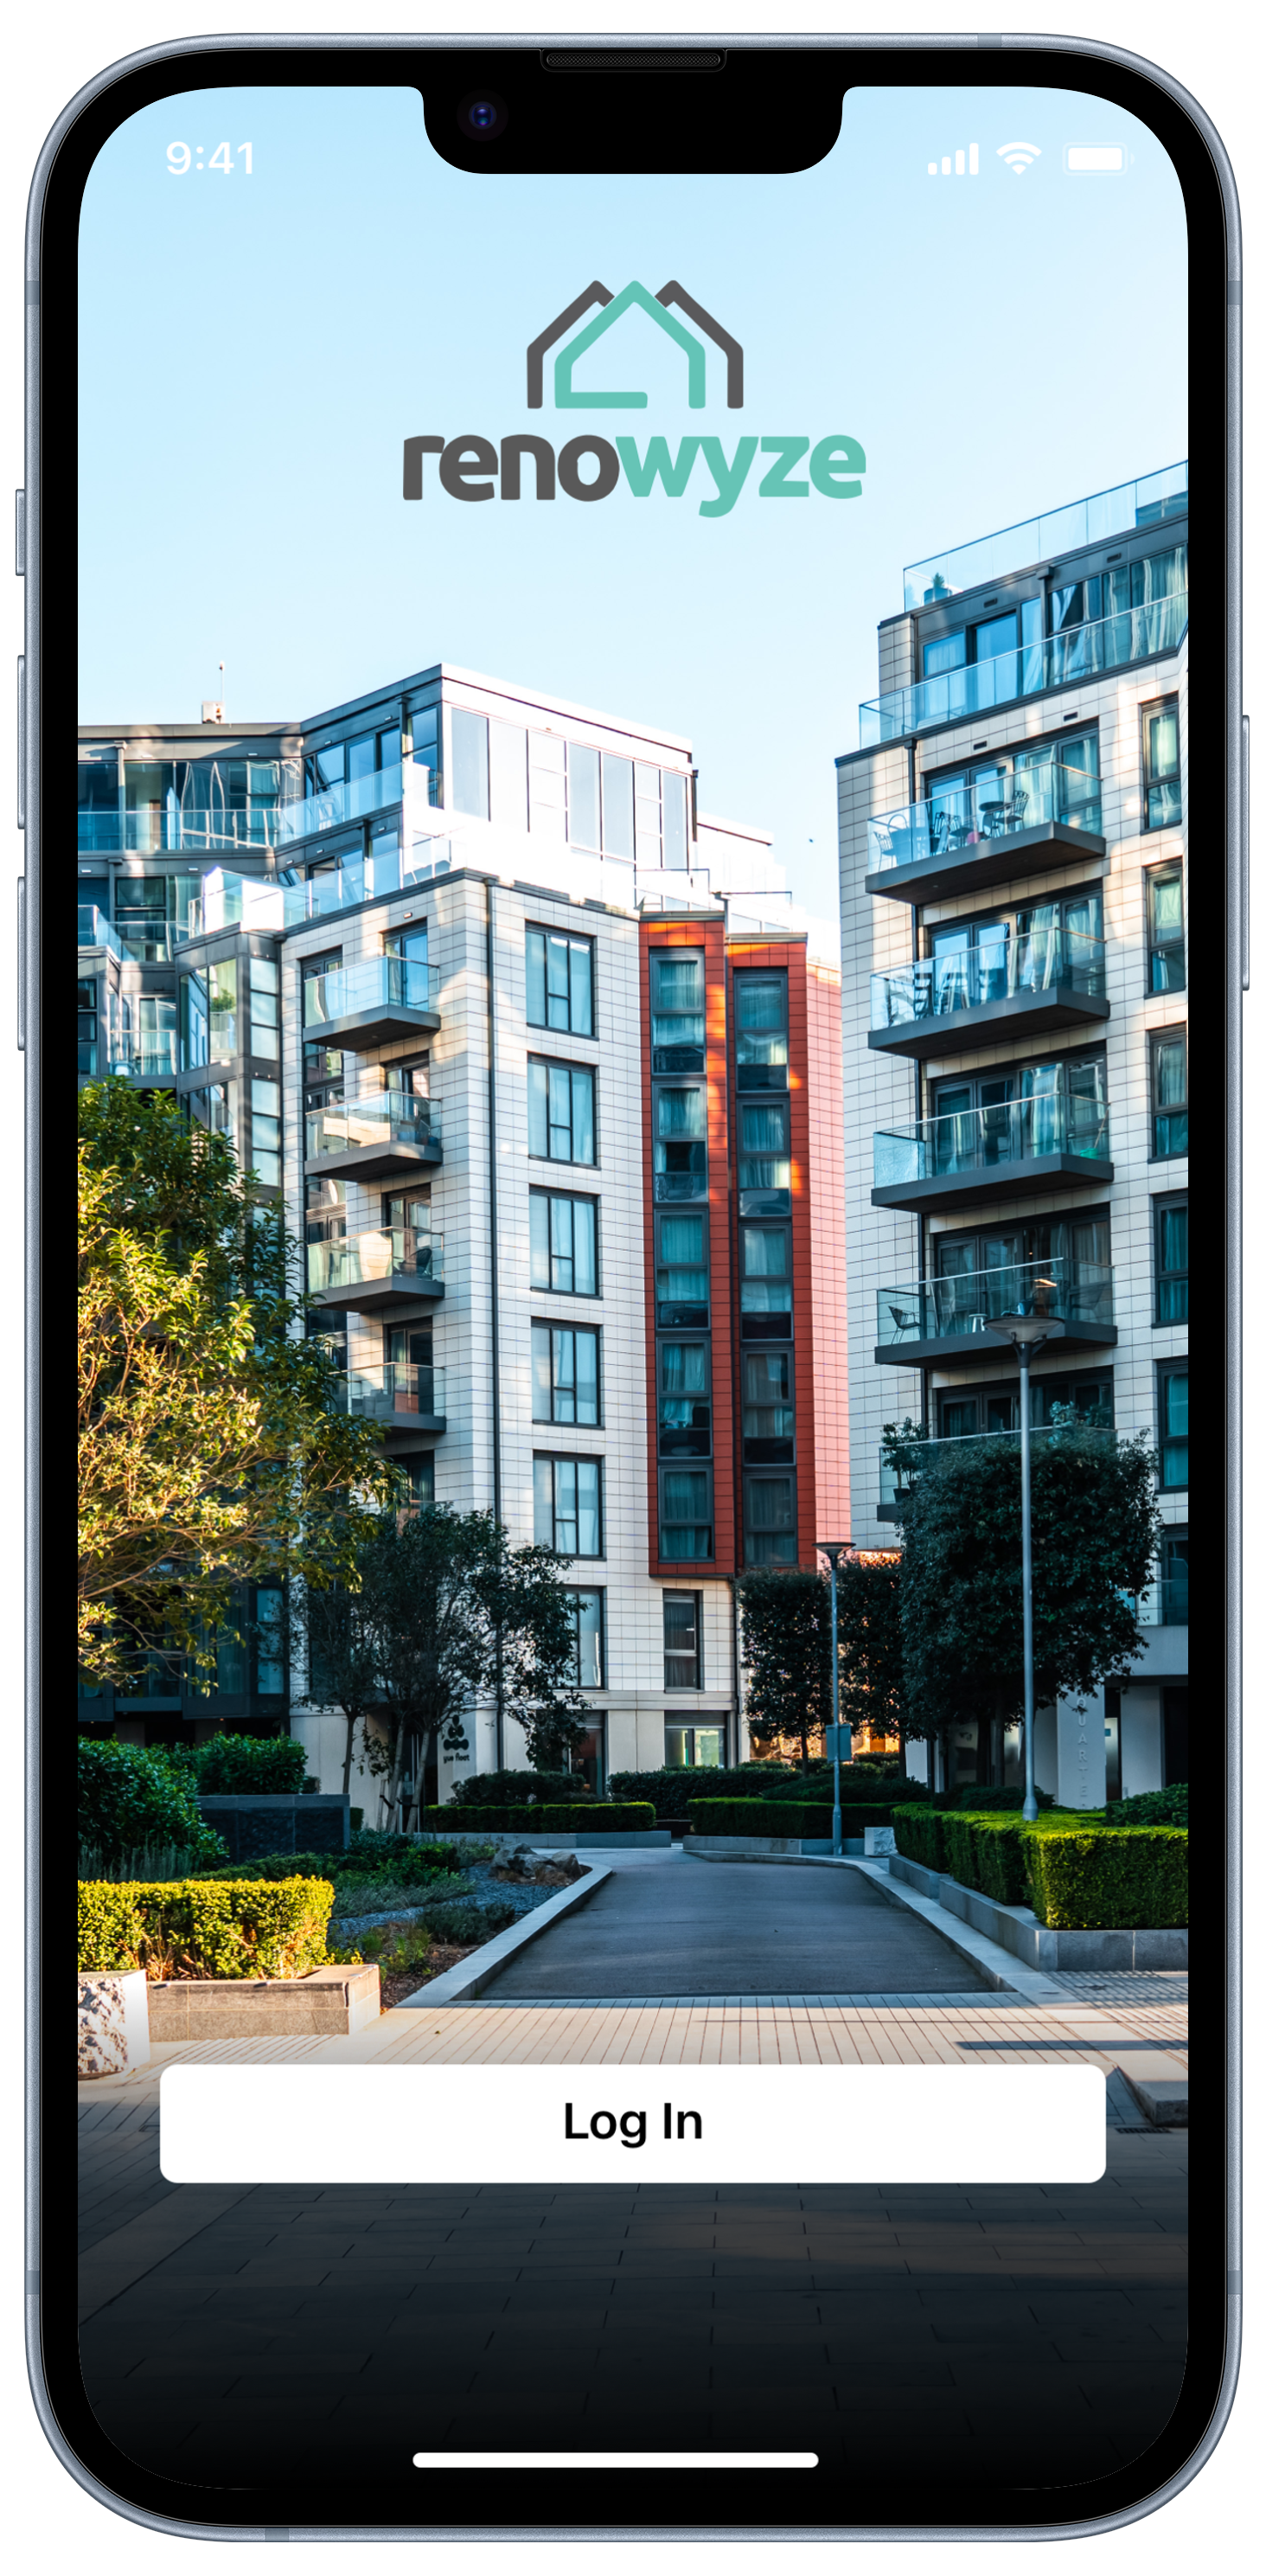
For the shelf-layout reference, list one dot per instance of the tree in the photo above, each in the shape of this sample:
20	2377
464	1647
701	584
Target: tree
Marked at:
787	1652
1095	1533
872	1663
453	1614
342	1659
210	1448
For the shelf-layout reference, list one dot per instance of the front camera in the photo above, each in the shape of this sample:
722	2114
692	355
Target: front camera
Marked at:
482	116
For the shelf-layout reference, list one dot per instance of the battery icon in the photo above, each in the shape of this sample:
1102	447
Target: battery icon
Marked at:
1096	160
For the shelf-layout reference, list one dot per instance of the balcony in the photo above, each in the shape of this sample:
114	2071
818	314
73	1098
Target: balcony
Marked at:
1016	987
388	1131
1029	670
974	1157
945	1322
984	835
391	1266
351	799
1164	1604
369	1004
1102	515
898	1476
399	1396
152	1062
150	829
96	932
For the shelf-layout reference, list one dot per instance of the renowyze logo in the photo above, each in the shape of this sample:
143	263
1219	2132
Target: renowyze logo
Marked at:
469	464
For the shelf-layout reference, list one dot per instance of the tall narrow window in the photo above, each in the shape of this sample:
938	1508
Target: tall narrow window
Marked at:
760	1012
547	785
1169	1094
564	1373
1171	1261
674	785
1161	763
677	1010
769	1513
765	1281
560	1111
1166	961
564	1243
266	1132
1172	1571
685	1410
681	1146
681	1283
588	1623
769	1420
1171	1392
682	1662
617	806
88	1024
428	751
764	1157
685	1514
560	982
470	762
265	1007
567	1505
584	829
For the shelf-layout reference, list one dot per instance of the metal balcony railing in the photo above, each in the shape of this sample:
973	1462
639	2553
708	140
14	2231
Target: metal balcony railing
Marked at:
975	1140
999	970
149	829
992	809
1070	1292
897	1476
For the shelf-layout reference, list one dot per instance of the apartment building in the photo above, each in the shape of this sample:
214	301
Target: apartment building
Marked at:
543	1064
1013	917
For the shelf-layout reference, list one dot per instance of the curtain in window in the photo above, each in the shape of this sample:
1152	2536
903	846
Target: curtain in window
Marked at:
1171	1073
682	1113
764	1253
761	1001
683	1368
681	1238
678	983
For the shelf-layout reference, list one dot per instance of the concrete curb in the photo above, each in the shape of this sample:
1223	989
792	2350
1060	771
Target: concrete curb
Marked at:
1037	1945
462	1984
995	1964
765	1847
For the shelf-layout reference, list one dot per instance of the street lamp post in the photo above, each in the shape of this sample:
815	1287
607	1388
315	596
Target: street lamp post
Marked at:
833	1549
1026	1334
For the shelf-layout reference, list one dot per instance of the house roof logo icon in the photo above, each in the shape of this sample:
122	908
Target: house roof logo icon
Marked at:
610	308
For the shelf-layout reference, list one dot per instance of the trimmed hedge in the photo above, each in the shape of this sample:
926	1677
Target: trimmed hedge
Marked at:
1150	1807
520	1789
920	1836
198	1927
674	1791
414	1863
1111	1878
798	1818
594	1819
250	1766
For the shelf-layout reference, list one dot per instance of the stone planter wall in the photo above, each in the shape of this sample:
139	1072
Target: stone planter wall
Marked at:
326	2005
1017	1929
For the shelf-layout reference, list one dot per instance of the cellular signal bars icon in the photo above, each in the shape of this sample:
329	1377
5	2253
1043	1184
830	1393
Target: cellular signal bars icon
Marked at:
957	165
1019	156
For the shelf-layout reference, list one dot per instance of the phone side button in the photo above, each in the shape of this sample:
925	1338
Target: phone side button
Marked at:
19	534
22	961
1245	873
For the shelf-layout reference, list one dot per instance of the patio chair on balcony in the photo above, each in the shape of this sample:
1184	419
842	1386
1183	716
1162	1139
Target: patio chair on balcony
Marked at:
905	1320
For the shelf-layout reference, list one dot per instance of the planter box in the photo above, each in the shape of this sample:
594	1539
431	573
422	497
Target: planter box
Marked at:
767	1847
326	2005
1017	1929
114	2031
253	1827
659	1841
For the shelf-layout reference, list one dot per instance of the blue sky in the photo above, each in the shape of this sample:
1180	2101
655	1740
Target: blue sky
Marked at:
255	349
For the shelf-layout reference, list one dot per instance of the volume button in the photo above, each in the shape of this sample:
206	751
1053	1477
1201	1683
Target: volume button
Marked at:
22	961
21	742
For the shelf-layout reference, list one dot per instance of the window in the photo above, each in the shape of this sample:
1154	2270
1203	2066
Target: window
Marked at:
560	982
1161	769
685	1514
693	1748
769	1514
420	1470
155	1048
1169	1094
584	828
765	1281
1175	1718
1173	1574
1166	961
617	806
470	762
990	1272
764	1157
322	1074
646	831
681	1141
547	785
1171	1261
685	1410
560	1111
673	807
760	1017
1060	1106
682	1660
87	1024
588	1623
681	1279
265	1007
1171	1408
266	1132
677	1009
270	1648
1088	1393
564	1374
324	1211
427	750
507	775
564	1243
567	1505
769	1420
945	653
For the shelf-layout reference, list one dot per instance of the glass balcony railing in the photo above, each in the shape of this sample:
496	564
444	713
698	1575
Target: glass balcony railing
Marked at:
932	1310
147	829
383	1118
398	1388
96	932
152	1059
1029	961
1132	635
391	982
282	903
388	1252
898	1475
991	810
1142	504
350	799
974	1140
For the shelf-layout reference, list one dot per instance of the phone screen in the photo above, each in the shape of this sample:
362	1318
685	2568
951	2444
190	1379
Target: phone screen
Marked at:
635	749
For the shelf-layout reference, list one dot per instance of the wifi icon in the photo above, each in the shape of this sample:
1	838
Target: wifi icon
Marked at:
1019	156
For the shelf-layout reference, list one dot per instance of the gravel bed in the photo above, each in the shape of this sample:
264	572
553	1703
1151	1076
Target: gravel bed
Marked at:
479	1886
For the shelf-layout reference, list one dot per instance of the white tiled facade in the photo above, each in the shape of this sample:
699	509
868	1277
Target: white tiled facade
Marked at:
888	1247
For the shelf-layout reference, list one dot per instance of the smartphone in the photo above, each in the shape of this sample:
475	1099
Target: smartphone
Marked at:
633	1692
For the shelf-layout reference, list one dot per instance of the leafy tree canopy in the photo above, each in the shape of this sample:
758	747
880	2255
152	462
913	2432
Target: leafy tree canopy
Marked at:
787	1653
872	1668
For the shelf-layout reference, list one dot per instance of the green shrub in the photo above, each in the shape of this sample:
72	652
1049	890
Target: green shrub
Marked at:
204	1927
459	1924
381	1892
595	1819
999	1852
673	1791
982	1801
250	1766
956	1843
522	1789
1150	1807
778	1816
131	1801
918	1830
405	1863
1096	1877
